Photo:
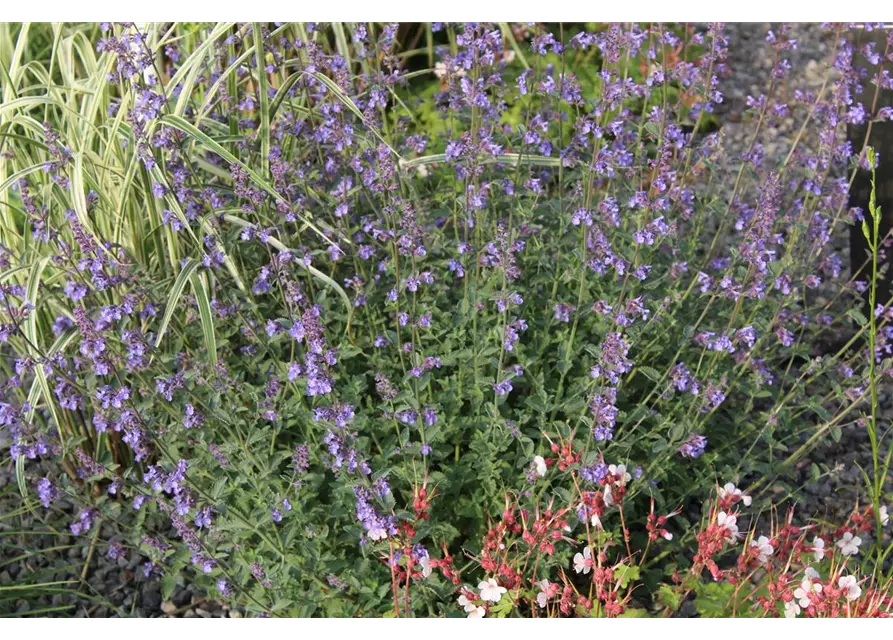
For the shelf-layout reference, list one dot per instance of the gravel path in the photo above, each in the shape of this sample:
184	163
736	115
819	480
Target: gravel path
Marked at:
751	61
121	583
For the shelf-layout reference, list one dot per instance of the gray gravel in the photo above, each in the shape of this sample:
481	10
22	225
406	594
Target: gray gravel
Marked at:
750	61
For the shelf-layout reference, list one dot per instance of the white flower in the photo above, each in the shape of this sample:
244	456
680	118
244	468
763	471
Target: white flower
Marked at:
580	561
596	522
853	590
667	535
765	549
818	548
729	490
609	498
806	588
540	464
884	516
728	521
477	612
490	590
619	470
543	597
811	573
849	544
465	603
791	609
425	564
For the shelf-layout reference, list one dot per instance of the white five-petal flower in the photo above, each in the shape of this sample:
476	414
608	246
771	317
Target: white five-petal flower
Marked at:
764	549
619	470
542	598
490	590
729	490
849	544
464	602
729	522
540	464
582	561
853	590
477	612
807	587
791	609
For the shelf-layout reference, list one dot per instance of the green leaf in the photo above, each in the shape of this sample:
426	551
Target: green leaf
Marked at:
836	433
501	609
650	373
713	599
264	98
174	296
677	432
624	574
168	584
204	311
858	316
635	613
668	597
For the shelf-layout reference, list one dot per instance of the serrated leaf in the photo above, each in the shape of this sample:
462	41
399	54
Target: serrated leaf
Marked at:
650	373
168	584
668	597
858	316
624	574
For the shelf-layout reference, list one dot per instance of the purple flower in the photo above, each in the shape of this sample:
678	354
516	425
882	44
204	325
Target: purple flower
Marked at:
115	550
503	388
192	418
47	492
224	588
84	521
693	447
563	312
785	337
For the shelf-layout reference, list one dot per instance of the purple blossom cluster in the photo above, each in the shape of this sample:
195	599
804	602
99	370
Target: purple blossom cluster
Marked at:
329	277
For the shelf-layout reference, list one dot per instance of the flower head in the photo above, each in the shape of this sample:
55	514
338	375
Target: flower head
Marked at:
583	561
849	544
853	590
807	588
490	590
540	465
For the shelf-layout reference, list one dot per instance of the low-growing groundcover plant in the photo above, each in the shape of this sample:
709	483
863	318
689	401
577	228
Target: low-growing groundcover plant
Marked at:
441	319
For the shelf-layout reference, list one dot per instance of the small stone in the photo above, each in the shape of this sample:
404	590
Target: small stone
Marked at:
168	607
